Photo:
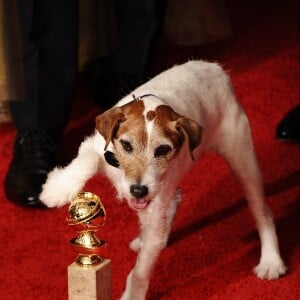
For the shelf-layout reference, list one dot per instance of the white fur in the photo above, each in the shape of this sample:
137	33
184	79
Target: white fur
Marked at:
200	91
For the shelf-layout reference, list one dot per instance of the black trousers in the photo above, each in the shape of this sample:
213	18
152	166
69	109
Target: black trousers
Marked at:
49	44
138	25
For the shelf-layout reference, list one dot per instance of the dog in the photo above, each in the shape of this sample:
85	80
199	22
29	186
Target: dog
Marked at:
149	140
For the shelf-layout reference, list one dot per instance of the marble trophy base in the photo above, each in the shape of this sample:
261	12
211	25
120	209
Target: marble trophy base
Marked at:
91	282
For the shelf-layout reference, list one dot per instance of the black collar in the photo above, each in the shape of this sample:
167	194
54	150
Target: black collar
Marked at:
143	96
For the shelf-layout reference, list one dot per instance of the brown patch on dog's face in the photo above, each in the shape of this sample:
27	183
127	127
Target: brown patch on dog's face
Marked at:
165	122
150	115
130	140
108	123
133	124
178	128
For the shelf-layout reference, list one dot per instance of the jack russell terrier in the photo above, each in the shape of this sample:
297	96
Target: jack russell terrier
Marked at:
146	143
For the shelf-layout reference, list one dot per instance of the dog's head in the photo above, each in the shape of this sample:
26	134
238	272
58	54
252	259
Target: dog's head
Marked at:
145	143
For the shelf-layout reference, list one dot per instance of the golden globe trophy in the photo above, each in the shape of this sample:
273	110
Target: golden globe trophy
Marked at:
89	277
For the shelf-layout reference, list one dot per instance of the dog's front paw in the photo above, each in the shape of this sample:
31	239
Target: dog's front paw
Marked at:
136	288
270	269
136	244
59	189
126	294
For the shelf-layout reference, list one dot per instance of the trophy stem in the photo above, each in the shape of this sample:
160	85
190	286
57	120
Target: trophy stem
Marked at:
89	248
88	260
87	239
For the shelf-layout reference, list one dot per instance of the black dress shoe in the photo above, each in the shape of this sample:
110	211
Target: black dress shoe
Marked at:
289	128
35	154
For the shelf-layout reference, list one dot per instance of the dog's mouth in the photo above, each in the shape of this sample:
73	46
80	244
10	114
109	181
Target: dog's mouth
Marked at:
139	203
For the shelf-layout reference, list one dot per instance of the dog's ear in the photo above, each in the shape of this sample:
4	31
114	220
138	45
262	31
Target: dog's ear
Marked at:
108	123
192	131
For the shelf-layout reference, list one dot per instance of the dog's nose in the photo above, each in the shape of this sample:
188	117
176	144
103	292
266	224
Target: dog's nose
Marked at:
138	191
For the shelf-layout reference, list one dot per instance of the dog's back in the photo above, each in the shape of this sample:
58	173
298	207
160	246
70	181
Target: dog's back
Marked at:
199	90
191	87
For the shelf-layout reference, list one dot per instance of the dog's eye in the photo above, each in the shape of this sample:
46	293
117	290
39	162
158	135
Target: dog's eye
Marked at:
126	146
162	150
111	159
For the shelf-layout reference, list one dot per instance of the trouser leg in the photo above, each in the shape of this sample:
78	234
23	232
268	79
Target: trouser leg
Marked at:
25	111
49	44
138	22
58	61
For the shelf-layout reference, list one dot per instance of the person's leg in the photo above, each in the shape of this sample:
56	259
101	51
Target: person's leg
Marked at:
57	21
49	41
49	44
138	25
25	111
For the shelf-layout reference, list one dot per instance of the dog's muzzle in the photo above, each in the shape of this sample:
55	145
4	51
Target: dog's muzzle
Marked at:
139	192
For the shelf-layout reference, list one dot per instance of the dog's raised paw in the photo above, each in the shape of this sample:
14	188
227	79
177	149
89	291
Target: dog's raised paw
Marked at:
270	270
59	189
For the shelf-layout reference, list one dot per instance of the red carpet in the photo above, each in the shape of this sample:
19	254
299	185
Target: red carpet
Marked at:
214	245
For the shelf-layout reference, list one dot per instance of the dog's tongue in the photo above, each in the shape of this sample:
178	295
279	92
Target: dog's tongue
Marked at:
138	203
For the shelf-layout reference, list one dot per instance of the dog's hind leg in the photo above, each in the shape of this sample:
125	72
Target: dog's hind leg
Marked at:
235	145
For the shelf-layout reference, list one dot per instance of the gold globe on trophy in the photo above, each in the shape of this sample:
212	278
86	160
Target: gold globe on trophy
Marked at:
86	215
